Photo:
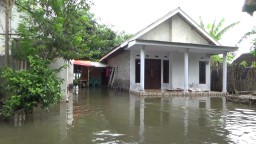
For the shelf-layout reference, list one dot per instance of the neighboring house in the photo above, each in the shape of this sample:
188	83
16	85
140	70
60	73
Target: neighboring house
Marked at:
173	52
246	57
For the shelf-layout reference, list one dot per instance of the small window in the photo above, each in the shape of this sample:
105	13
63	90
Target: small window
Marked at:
202	72
166	71
137	71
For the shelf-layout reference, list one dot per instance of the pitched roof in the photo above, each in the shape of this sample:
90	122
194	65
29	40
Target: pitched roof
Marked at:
178	11
248	57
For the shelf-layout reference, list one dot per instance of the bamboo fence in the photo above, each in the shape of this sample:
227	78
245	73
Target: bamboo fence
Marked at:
239	78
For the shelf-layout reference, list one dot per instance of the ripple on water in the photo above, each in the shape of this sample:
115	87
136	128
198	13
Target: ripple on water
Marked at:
241	126
106	137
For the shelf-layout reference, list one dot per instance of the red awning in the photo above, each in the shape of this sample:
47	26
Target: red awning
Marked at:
89	63
83	63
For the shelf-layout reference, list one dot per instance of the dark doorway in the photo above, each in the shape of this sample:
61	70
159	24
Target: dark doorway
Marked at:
202	72
104	76
137	70
152	74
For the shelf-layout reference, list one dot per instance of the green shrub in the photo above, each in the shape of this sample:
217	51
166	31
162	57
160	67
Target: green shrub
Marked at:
39	85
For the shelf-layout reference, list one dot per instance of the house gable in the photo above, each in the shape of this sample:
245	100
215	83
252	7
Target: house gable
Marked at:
184	32
161	32
175	29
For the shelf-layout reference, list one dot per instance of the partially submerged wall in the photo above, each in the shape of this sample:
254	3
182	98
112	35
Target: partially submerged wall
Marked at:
121	63
65	74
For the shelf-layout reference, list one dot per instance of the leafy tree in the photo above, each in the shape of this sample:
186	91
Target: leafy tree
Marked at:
37	86
111	39
51	29
62	28
216	31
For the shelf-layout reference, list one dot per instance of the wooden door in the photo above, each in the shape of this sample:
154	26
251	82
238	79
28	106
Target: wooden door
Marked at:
152	74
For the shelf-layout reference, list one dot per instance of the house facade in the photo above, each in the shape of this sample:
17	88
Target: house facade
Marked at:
173	52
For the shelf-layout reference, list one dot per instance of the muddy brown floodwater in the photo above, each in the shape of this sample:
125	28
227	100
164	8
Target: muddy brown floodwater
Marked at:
101	116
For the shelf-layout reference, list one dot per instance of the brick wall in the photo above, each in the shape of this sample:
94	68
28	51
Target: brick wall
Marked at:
122	64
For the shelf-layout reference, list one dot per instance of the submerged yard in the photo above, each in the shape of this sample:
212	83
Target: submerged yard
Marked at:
103	116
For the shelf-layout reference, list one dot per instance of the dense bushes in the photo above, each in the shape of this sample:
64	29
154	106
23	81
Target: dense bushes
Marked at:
37	86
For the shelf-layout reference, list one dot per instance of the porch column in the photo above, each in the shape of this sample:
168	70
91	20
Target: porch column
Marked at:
142	67
186	70
170	69
224	81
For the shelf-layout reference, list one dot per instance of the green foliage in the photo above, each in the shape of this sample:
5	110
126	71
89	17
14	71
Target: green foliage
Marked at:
243	64
218	59
216	31
62	28
37	86
251	34
253	64
121	37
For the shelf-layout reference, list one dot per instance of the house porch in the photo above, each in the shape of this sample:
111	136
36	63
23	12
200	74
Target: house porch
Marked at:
184	65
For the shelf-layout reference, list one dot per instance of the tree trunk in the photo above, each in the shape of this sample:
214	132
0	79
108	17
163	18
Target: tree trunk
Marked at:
8	13
7	32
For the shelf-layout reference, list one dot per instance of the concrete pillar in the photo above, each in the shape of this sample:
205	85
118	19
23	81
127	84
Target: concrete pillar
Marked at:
186	70
170	70
142	67
224	81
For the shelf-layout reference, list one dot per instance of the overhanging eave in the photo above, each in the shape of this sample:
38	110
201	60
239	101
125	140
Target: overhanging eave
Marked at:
174	46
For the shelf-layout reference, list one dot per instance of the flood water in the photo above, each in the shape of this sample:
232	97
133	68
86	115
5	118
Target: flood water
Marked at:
99	116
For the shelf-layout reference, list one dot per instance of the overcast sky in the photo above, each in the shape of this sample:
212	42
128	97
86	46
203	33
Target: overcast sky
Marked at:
133	15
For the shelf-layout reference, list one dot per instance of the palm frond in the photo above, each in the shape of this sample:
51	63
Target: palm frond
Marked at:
248	34
219	35
212	33
201	23
219	25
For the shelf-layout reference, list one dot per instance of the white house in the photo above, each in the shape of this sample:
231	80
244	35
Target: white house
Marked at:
173	52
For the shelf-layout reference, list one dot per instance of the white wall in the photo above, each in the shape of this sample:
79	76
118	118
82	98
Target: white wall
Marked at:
176	69
160	33
174	29
193	73
66	74
182	32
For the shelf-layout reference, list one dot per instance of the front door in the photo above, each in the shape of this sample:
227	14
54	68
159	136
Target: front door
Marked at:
152	74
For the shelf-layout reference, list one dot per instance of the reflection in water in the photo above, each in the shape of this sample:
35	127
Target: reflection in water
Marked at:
107	117
141	132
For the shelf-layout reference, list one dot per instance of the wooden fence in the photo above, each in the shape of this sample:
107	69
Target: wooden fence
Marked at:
239	78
